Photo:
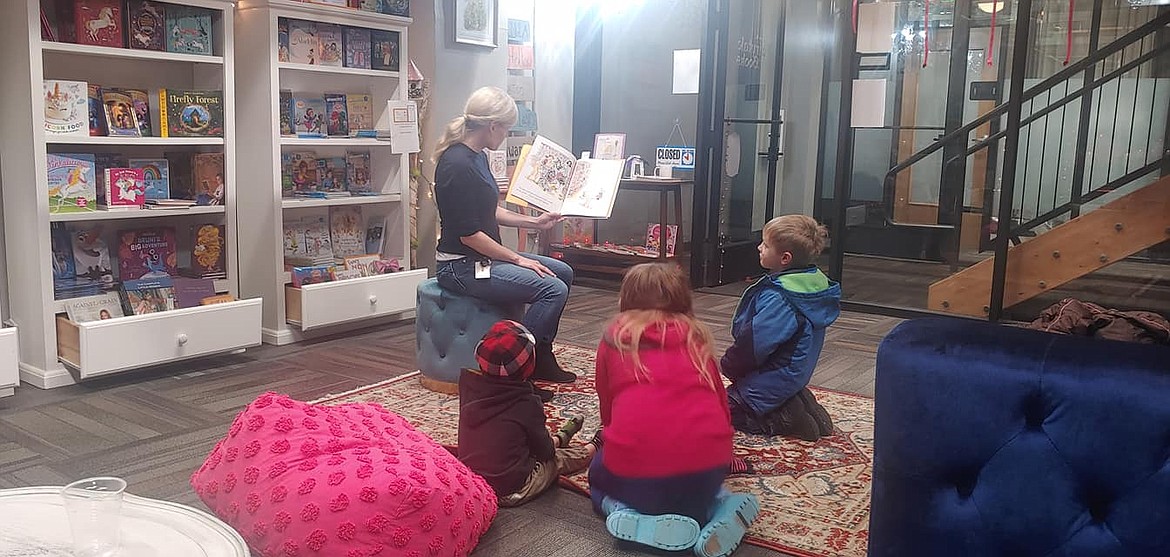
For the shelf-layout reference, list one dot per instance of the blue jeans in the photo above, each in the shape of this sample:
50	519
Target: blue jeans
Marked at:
513	284
692	495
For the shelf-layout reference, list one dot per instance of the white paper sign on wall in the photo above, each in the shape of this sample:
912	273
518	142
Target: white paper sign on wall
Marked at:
682	158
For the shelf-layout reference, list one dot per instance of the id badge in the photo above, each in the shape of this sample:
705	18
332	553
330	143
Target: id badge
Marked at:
483	269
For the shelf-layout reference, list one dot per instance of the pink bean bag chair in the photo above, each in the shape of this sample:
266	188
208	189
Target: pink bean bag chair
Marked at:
349	481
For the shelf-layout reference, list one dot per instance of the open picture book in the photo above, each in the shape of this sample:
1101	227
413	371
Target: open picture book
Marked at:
550	178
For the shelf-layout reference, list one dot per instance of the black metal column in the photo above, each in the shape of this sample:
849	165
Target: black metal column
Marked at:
954	177
709	144
587	67
1010	156
1162	40
1078	177
843	182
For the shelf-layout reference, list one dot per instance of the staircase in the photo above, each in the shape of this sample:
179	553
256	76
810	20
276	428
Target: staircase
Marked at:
1081	216
1110	233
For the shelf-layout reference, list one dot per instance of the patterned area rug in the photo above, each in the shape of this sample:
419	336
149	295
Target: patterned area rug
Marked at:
814	496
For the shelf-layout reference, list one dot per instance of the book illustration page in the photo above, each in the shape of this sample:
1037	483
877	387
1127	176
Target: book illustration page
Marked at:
592	188
544	178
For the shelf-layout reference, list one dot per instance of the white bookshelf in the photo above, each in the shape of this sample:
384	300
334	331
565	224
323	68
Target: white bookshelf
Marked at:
292	314
54	351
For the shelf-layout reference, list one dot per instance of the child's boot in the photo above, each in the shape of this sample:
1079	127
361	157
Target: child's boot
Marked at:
568	430
670	532
729	523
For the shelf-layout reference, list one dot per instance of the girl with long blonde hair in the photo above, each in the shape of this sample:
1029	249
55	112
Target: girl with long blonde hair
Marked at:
471	259
666	437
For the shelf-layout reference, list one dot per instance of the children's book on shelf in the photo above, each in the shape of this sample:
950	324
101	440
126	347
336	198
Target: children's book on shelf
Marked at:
346	274
155	177
91	254
147	253
331	175
375	234
285	109
282	40
302	169
150	295
98	22
181	174
124	189
62	247
306	241
121	118
188	30
147	29
72	183
208	251
577	231
498	165
309	113
190	113
141	103
330	45
315	274
363	263
389	7
209	180
357	48
48	26
97	111
384	50
360	109
357	170
347	231
550	178
94	308
217	299
302	42
66	107
338	124
654	236
190	292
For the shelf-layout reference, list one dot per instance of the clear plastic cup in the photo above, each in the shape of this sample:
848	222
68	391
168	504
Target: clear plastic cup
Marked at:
94	507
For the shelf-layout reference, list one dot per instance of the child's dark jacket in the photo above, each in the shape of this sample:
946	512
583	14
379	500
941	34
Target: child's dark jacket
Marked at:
779	329
502	430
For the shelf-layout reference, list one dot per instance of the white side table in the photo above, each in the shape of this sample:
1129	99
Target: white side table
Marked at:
33	523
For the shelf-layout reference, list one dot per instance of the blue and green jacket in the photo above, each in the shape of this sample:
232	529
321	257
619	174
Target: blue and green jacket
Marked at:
779	329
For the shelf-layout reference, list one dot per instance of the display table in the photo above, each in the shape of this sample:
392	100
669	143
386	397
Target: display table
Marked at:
598	260
34	523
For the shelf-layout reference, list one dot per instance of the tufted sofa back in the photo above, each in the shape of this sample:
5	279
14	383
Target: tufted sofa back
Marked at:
998	441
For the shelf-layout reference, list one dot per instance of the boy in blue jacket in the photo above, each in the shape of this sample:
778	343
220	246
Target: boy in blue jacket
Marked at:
779	329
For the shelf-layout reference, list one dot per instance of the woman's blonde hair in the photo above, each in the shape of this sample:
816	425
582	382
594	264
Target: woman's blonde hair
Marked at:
658	294
486	106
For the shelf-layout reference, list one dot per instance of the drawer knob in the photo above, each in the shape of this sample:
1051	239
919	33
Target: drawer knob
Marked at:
182	338
373	300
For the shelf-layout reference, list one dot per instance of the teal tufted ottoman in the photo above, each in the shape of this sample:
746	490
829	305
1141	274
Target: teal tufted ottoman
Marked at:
447	328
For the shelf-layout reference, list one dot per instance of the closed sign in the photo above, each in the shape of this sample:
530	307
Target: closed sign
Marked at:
682	158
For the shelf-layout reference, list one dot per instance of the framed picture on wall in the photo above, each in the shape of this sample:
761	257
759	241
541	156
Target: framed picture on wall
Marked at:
475	22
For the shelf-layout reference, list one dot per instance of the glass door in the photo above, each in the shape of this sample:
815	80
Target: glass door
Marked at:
739	188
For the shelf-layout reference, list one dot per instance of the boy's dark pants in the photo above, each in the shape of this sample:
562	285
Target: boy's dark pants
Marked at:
568	460
800	416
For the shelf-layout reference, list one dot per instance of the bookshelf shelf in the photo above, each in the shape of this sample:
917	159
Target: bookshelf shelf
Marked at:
46	348
355	200
337	70
333	142
259	70
131	141
70	49
136	214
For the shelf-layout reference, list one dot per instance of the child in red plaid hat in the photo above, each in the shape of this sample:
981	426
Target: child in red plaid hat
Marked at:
502	434
666	430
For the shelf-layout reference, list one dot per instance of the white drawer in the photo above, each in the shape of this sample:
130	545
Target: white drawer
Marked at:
100	347
9	358
330	303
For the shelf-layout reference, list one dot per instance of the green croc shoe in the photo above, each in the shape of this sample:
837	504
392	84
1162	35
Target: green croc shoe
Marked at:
671	532
723	534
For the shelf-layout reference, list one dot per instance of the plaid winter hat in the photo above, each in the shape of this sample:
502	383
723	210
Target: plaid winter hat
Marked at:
507	350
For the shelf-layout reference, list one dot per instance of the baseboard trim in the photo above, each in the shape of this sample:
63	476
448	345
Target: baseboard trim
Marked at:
290	335
46	378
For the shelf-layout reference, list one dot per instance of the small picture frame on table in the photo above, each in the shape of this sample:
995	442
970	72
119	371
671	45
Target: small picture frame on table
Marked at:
609	146
475	22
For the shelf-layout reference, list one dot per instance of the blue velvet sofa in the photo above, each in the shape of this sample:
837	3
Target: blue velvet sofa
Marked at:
998	441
